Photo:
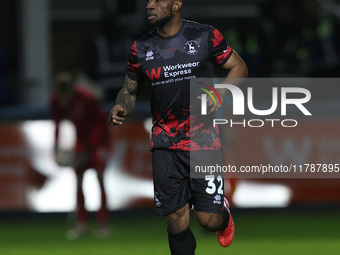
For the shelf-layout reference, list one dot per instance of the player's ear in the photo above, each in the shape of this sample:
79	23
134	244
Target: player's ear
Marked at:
177	5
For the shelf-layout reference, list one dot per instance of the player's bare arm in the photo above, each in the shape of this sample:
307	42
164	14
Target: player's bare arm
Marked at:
125	102
237	72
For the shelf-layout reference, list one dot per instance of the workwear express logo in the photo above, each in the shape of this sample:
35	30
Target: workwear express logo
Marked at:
244	104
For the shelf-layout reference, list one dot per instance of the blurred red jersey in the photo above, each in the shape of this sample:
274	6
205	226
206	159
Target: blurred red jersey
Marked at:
84	111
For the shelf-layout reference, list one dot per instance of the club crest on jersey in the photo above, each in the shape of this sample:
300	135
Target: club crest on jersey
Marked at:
191	47
149	55
158	200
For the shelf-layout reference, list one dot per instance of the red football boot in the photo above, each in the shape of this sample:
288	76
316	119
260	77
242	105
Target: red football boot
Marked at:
225	237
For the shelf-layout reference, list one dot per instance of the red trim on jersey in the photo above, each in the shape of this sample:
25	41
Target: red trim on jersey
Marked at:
133	67
225	55
134	48
218	38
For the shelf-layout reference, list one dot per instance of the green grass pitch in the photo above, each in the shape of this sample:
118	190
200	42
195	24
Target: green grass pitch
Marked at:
279	233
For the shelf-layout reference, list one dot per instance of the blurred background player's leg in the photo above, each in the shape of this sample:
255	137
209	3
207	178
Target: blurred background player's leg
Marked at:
98	158
103	230
80	228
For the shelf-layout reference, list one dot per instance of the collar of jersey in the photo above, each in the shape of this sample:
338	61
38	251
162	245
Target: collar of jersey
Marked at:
184	21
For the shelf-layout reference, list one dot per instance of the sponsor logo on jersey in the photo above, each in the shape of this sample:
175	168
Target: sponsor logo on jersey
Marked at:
149	55
191	47
153	74
217	199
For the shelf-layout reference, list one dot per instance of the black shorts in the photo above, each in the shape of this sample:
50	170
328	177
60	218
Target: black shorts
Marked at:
174	188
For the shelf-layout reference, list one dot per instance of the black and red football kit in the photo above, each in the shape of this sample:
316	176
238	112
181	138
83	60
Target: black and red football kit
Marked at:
169	63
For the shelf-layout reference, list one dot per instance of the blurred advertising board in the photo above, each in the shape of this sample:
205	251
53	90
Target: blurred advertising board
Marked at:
31	180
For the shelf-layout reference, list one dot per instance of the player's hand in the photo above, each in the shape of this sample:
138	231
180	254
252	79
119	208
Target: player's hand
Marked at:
64	158
116	115
214	104
82	159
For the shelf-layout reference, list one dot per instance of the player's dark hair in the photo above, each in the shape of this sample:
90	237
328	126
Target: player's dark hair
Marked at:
63	81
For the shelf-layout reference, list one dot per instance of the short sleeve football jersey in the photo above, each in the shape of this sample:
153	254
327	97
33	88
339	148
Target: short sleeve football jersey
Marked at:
169	63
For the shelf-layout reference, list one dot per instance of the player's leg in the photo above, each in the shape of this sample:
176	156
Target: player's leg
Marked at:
181	239
222	224
81	212
212	208
179	220
98	162
210	221
103	212
171	198
225	235
208	201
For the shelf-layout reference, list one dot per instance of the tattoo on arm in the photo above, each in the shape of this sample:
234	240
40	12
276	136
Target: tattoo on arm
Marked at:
127	96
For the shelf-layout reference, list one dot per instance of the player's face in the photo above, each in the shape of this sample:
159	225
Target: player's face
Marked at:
159	12
64	89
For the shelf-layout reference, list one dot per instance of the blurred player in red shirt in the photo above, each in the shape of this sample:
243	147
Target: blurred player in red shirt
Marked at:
79	105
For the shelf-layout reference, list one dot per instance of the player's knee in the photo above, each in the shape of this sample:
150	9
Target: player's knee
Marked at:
178	221
177	217
209	221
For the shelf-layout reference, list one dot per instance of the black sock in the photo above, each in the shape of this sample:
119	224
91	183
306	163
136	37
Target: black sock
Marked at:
182	243
225	219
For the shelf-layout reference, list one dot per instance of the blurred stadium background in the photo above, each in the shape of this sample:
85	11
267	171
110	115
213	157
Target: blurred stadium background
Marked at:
289	38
